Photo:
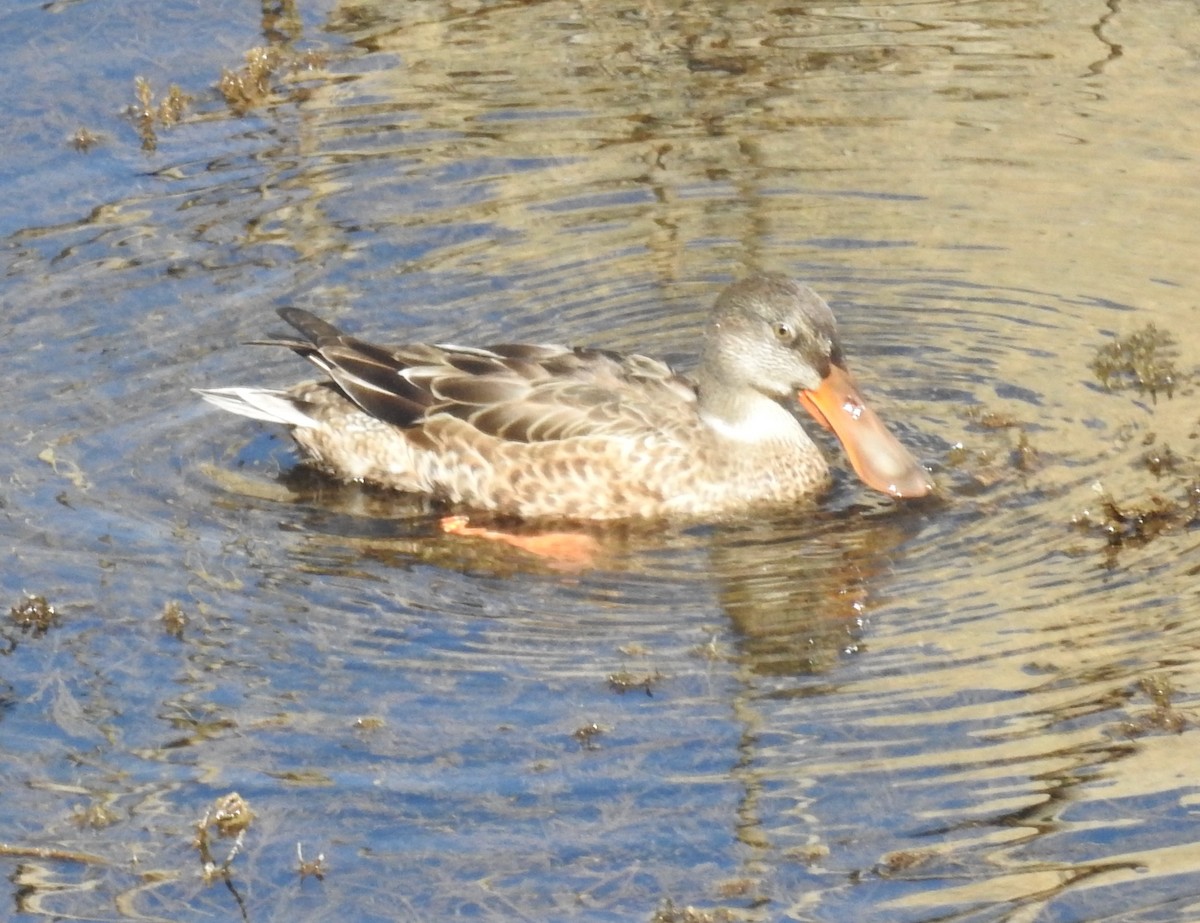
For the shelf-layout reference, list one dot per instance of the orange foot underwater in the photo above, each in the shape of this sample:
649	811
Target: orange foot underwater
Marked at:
562	549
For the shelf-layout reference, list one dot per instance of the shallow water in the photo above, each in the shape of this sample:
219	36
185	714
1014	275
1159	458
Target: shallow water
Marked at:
981	707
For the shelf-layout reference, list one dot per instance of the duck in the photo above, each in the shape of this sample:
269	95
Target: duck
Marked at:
538	432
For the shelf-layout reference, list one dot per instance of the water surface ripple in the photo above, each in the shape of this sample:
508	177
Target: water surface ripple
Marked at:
981	707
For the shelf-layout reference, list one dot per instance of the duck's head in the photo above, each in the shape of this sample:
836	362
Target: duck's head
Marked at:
770	336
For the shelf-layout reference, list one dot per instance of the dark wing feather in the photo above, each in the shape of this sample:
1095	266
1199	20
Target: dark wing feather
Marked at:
514	392
470	364
481	390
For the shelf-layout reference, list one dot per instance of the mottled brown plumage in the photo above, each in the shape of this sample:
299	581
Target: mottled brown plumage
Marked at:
588	434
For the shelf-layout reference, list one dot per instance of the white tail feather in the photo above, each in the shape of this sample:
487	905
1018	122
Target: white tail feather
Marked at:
258	404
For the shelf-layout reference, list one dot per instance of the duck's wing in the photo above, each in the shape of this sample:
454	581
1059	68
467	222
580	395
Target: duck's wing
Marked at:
513	392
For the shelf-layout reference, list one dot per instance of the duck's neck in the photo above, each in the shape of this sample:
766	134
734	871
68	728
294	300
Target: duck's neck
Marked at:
748	416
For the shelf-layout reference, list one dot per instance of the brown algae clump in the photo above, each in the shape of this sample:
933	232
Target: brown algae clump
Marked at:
34	615
149	116
246	88
84	140
173	620
1143	360
1136	523
229	816
250	86
624	680
314	867
1162	716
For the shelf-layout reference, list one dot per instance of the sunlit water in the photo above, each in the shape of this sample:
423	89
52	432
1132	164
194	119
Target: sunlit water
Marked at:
979	707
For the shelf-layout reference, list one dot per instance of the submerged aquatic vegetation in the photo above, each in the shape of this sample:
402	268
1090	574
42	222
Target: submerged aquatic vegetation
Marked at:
1131	523
250	86
586	735
229	816
1162	716
84	140
1160	459
34	615
96	816
668	912
242	89
1004	448
149	116
625	680
1143	360
314	867
246	88
173	619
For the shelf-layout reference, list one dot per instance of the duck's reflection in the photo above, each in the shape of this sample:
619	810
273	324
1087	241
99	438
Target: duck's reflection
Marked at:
797	591
794	588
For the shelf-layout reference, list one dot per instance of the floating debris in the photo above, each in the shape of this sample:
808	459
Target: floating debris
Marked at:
709	650
148	116
17	851
810	854
229	816
903	860
243	90
96	815
246	88
667	912
173	620
143	114
315	867
1137	523
1162	716
206	725
1161	459
992	419
735	887
1005	448
1025	456
625	680
84	140
172	106
306	777
249	87
34	615
65	468
586	735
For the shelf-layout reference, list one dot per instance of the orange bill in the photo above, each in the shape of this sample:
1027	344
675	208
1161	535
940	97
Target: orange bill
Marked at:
877	456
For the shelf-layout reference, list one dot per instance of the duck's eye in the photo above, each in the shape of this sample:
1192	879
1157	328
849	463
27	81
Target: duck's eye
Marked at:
783	331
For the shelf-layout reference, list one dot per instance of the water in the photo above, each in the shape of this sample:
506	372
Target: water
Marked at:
980	707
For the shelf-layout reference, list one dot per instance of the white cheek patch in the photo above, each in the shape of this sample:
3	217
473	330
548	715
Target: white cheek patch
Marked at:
767	421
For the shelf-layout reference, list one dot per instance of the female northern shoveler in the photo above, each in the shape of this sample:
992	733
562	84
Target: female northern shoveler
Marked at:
587	434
